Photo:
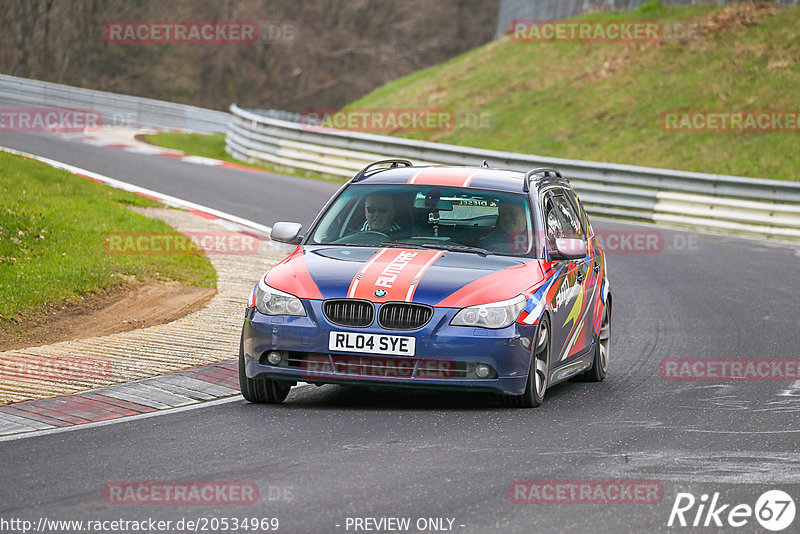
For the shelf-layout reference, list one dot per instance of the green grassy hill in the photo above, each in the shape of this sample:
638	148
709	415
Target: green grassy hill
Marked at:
603	101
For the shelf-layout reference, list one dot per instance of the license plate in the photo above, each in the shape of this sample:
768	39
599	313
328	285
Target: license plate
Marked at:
371	343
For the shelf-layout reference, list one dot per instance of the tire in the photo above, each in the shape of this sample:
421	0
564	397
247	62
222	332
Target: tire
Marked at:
260	390
601	351
538	373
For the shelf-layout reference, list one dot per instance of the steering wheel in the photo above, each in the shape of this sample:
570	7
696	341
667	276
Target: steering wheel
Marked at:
361	238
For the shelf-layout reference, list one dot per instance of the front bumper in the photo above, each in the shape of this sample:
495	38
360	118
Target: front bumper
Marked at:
445	356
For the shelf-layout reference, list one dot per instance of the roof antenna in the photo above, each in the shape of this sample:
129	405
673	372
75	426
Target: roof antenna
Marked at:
485	164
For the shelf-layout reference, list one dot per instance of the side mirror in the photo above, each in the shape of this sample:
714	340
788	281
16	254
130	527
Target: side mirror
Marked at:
569	249
286	232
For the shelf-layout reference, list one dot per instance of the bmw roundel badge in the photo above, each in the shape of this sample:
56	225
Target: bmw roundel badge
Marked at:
379	293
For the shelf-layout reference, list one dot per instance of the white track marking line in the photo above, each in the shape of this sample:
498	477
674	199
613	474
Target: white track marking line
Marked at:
122	419
127	418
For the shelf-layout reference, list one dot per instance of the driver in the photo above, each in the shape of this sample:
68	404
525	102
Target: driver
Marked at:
379	212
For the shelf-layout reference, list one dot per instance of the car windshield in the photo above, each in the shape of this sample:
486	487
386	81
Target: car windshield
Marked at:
461	219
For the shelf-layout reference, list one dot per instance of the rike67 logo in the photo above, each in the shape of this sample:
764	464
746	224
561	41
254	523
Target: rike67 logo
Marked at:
774	510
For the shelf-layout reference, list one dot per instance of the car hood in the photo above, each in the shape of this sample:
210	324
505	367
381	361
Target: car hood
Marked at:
426	276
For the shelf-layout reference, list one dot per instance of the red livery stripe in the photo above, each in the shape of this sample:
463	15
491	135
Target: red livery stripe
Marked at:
494	287
292	276
394	270
445	176
415	281
354	284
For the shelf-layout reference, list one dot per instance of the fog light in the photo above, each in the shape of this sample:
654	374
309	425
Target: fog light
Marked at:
482	370
274	357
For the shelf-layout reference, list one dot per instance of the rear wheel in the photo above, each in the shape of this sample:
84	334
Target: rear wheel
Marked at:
538	372
260	390
601	351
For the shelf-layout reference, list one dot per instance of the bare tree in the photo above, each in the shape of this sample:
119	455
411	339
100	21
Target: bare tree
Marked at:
342	50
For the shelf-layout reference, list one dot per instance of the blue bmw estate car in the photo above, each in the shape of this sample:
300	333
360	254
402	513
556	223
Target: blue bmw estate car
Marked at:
464	278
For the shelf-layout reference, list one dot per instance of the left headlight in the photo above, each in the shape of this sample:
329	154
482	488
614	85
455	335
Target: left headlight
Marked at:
270	301
494	315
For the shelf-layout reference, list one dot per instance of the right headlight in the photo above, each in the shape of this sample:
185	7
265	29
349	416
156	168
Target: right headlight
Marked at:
271	301
494	315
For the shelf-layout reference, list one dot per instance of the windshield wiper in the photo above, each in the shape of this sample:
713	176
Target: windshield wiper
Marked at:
437	246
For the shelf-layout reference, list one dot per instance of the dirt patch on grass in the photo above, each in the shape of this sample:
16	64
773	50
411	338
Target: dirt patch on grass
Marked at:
143	139
123	308
737	17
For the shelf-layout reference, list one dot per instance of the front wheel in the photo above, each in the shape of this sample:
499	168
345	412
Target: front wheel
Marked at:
538	372
260	390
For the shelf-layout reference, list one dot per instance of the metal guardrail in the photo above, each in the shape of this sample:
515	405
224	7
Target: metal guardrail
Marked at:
116	110
730	204
727	203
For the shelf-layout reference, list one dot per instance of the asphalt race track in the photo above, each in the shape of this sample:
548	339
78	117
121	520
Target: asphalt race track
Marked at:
332	453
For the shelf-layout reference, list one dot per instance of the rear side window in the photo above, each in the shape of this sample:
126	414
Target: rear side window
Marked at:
582	217
561	218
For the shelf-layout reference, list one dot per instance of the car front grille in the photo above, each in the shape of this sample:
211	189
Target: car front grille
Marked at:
404	316
348	312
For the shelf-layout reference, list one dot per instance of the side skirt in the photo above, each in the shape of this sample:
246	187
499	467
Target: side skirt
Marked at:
569	370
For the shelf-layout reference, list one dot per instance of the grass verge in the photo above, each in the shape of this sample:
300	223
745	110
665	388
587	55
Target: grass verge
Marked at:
603	101
52	240
205	145
213	146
